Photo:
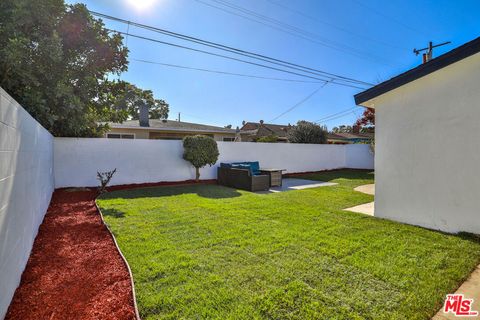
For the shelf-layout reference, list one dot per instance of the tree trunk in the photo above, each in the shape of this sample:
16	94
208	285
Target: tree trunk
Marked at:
197	174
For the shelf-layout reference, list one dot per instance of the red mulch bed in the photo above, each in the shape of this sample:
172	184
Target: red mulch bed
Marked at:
74	270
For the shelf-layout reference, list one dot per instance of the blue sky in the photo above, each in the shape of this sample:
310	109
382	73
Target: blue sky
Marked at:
368	40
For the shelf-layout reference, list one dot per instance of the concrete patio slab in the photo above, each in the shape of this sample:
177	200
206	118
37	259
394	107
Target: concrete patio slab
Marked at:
366	188
471	290
289	184
366	208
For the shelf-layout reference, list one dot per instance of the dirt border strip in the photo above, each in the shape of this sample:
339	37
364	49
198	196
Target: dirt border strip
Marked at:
137	314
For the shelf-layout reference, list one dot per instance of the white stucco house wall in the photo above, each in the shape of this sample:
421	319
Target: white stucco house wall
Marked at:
427	140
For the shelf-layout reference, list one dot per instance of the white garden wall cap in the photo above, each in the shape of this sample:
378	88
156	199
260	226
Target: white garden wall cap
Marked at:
466	50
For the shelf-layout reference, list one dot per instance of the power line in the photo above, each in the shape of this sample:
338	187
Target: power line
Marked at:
222	72
384	43
334	114
389	18
300	102
341	113
337	117
292	30
235	50
215	54
281	23
232	58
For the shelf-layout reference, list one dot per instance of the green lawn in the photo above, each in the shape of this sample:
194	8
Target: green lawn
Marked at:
205	251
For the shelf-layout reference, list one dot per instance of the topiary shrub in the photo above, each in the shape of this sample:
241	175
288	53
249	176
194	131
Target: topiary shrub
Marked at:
200	150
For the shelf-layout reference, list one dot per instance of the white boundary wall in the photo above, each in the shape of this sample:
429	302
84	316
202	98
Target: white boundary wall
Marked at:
26	186
77	160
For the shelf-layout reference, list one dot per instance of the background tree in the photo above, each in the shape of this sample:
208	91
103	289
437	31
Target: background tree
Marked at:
367	120
126	99
342	129
200	150
54	60
307	132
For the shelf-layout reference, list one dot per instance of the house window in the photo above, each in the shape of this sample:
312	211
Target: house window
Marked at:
120	136
167	138
229	139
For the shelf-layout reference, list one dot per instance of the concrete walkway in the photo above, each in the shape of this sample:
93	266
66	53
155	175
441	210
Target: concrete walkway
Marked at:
471	290
366	208
289	184
366	188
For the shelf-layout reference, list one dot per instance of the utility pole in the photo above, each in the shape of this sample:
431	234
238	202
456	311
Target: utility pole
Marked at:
429	51
179	117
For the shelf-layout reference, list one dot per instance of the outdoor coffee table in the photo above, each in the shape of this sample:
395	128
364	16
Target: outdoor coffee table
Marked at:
275	176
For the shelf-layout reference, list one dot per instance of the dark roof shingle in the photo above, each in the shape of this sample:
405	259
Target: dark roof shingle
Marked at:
279	130
172	125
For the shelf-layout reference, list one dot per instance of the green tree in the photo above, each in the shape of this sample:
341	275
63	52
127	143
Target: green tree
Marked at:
126	99
307	132
342	129
200	150
54	60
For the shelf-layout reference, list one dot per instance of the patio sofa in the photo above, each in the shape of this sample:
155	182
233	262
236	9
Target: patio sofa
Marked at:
243	175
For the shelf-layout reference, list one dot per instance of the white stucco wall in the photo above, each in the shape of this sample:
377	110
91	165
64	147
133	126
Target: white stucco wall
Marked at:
427	159
140	161
26	186
358	156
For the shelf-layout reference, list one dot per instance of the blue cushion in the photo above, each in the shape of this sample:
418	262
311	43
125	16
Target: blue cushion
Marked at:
252	166
255	167
243	166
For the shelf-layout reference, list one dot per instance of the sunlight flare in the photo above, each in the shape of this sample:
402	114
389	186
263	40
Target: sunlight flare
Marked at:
141	4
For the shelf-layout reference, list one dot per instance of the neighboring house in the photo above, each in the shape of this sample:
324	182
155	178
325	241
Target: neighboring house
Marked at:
166	130
427	152
251	131
347	138
350	137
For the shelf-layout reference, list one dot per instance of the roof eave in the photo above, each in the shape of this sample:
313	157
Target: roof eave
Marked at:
468	49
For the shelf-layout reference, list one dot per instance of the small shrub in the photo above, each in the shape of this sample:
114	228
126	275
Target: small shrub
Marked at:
104	178
200	150
272	138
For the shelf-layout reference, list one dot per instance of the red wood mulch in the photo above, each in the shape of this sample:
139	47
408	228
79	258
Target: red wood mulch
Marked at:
74	270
